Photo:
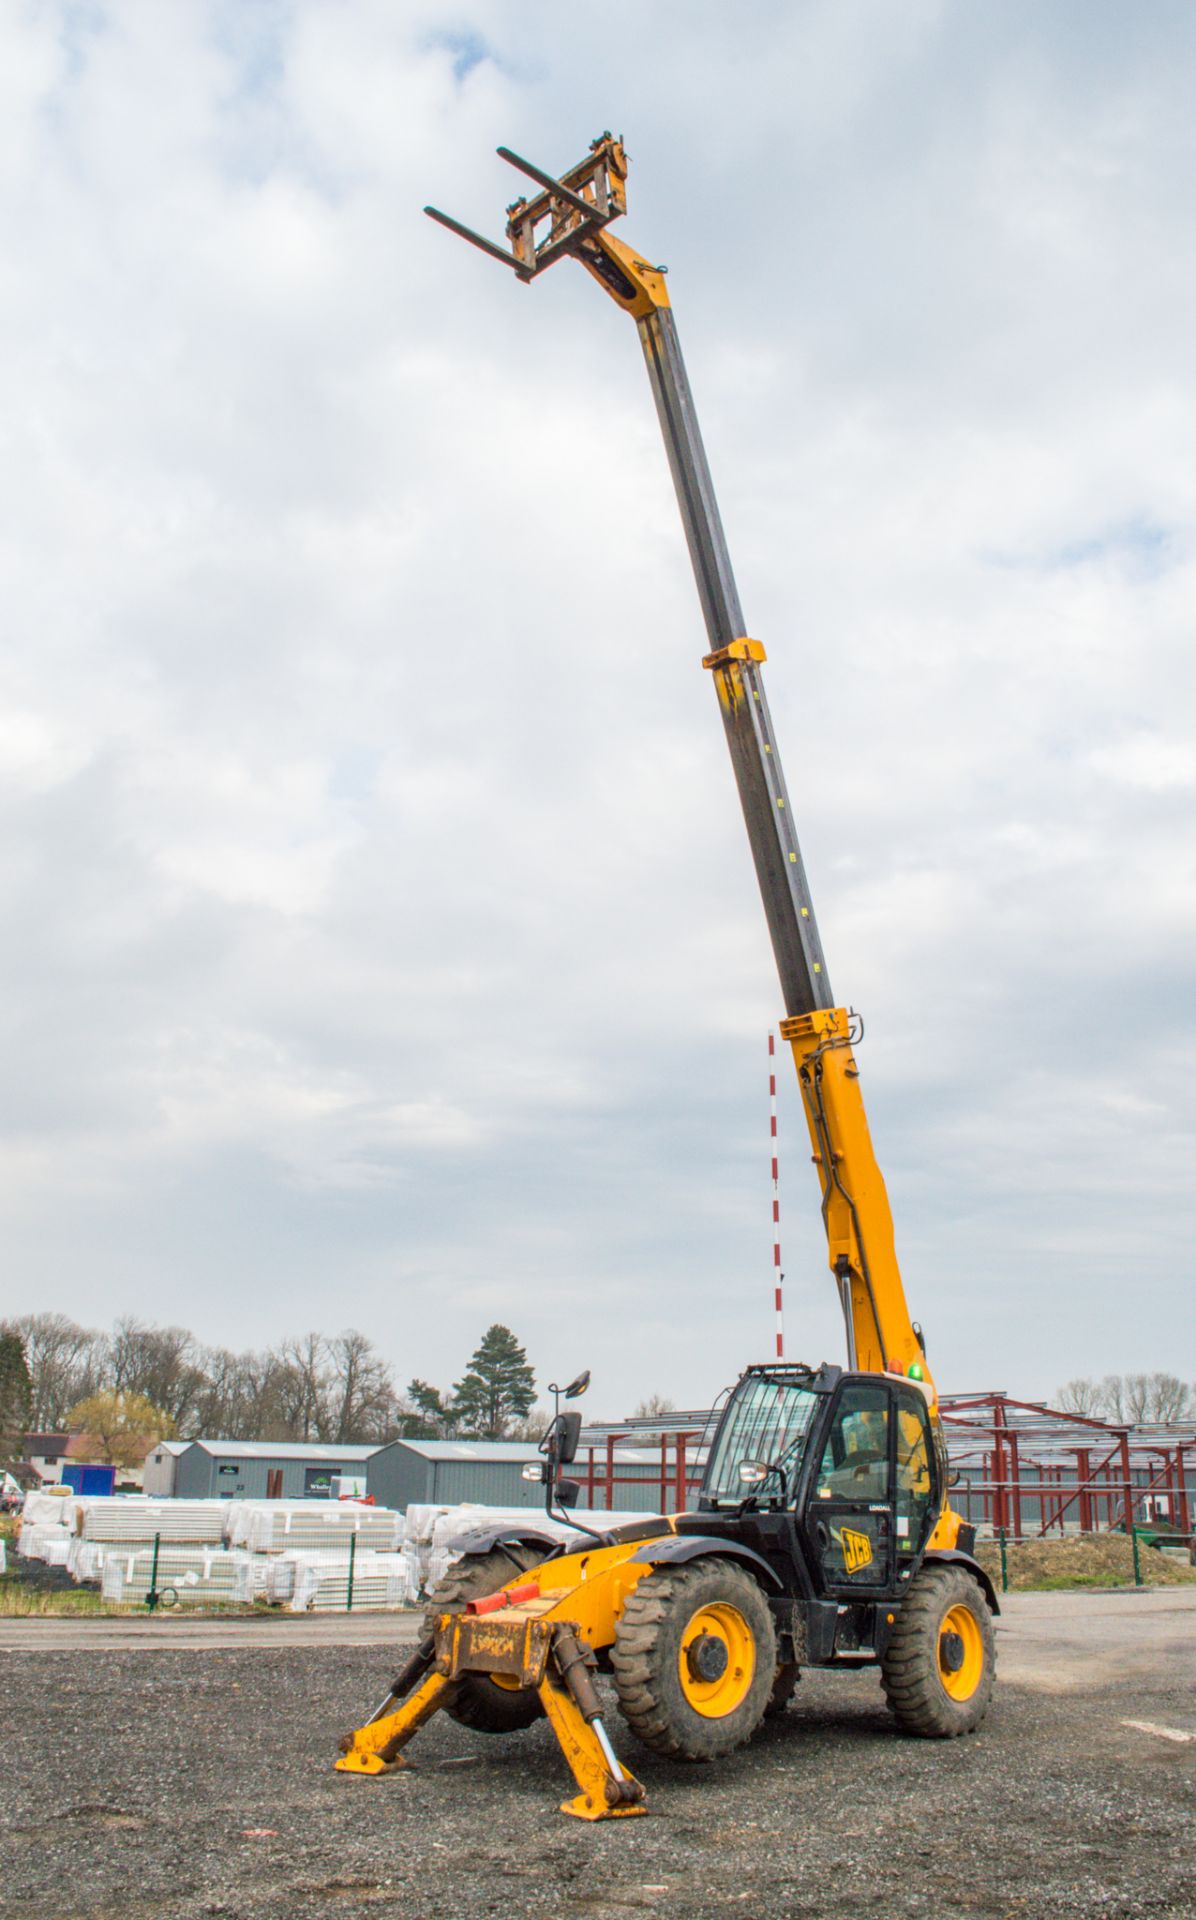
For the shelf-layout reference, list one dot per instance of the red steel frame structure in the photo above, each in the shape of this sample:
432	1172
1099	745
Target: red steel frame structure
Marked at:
1023	1467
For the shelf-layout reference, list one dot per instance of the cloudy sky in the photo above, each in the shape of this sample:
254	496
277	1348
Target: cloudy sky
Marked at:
381	943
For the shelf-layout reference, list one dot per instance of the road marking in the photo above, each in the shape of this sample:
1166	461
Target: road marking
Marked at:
1164	1733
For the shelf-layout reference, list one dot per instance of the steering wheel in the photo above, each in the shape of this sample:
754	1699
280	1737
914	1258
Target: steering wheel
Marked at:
861	1462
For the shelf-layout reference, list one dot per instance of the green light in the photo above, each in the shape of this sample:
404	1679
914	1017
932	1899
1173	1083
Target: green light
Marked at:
915	1371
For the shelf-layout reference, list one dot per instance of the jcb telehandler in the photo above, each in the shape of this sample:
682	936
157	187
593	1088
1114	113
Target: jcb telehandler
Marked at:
823	1535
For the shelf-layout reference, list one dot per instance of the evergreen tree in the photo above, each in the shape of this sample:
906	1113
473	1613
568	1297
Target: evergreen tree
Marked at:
16	1398
499	1386
427	1417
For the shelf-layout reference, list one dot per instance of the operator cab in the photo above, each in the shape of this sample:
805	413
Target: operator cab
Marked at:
850	1456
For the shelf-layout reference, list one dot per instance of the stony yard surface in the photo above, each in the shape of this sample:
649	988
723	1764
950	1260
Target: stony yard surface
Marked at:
181	1779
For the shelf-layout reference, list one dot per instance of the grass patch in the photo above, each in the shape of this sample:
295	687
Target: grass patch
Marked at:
1081	1560
18	1602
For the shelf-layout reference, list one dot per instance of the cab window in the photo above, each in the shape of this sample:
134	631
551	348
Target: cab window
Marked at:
915	1475
855	1463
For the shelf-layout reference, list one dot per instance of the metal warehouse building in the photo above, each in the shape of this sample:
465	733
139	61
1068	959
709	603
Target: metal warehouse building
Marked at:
157	1475
265	1469
490	1473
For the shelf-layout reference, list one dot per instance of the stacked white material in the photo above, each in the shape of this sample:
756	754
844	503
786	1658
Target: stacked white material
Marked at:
322	1582
259	1571
56	1552
85	1559
436	1563
283	1571
35	1537
433	1533
280	1575
3	1556
197	1576
118	1518
321	1527
421	1520
48	1509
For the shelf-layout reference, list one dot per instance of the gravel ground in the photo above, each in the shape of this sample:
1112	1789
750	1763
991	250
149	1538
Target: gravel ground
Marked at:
194	1783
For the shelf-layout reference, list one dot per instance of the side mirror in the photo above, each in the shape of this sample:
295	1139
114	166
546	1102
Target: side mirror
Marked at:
568	1492
564	1436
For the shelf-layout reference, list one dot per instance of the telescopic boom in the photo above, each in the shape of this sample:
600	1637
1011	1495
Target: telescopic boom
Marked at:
570	216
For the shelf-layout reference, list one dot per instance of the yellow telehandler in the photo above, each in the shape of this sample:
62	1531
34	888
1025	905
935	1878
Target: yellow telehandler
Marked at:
823	1535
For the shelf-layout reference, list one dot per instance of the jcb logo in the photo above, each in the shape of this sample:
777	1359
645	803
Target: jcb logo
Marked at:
857	1550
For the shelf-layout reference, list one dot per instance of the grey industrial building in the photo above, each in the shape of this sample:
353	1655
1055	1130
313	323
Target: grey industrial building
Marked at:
265	1469
429	1472
490	1473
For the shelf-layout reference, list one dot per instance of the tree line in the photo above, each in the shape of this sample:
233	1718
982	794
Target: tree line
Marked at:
1130	1399
335	1389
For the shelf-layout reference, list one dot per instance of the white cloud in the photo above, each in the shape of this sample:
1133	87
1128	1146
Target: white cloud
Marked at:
381	923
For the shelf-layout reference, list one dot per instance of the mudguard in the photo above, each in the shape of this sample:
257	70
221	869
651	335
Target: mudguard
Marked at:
475	1540
946	1556
696	1546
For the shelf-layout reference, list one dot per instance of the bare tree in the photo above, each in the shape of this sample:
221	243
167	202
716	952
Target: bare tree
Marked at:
1136	1399
531	1426
653	1407
303	1384
161	1363
1082	1396
1170	1399
66	1364
360	1393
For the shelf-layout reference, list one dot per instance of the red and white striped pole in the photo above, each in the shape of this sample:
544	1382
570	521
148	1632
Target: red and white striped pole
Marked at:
776	1192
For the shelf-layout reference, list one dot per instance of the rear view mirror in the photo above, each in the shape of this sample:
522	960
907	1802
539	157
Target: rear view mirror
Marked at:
568	1492
565	1434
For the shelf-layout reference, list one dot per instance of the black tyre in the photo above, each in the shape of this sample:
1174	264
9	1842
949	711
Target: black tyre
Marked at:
485	1704
940	1665
695	1659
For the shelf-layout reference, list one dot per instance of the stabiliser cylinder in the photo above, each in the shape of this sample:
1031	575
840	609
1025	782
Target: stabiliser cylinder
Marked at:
574	1662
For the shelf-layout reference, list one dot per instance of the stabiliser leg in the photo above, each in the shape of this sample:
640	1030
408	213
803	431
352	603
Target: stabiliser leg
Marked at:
375	1748
549	1655
606	1790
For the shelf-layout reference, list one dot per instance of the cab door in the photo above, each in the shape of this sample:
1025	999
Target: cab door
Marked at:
849	1517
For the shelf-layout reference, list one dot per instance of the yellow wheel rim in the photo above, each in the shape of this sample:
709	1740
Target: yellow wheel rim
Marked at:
961	1677
717	1662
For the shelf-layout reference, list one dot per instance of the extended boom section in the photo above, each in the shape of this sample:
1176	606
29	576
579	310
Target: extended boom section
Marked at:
570	216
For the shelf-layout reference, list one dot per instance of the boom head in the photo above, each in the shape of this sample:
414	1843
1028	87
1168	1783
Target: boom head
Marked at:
567	218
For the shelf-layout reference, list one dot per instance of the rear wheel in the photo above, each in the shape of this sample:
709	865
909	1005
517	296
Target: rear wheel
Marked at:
695	1659
489	1704
940	1665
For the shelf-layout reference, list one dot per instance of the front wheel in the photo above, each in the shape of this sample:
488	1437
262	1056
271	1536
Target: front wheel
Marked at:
940	1665
695	1658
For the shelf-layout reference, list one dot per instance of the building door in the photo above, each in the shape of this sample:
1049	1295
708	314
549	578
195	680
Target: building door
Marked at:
274	1483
